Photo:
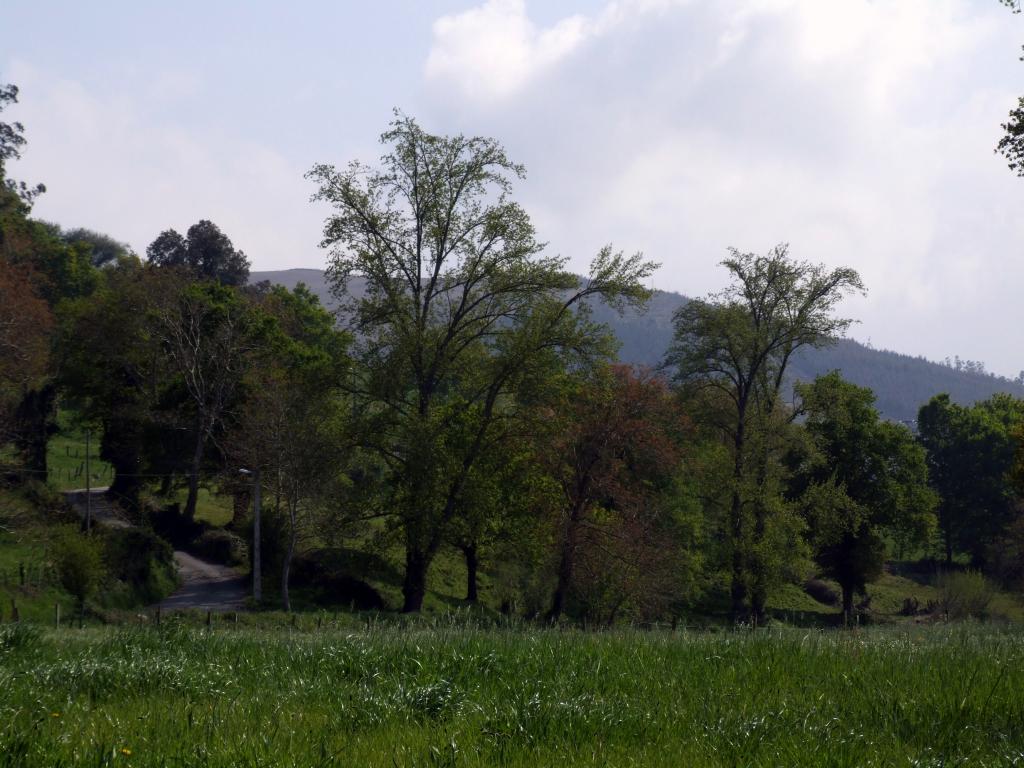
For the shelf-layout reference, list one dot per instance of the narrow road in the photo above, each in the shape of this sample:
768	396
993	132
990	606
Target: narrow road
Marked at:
205	586
102	512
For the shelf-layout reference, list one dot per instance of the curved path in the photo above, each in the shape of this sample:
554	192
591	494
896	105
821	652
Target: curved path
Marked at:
206	586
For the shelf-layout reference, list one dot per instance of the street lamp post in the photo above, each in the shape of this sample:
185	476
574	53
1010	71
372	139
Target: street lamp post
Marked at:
257	580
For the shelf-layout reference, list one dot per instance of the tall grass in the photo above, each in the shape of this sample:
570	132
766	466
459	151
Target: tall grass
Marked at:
394	696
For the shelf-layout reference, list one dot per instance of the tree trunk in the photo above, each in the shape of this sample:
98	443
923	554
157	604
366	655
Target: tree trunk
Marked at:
241	500
847	603
472	563
193	477
34	426
414	587
287	565
566	564
759	591
120	447
738	588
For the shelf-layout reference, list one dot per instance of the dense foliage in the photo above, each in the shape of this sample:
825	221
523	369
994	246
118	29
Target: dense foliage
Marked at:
474	411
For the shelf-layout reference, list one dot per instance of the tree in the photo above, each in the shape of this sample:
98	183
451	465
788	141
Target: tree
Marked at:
205	251
865	478
79	561
210	335
12	139
288	423
740	343
970	455
460	306
25	326
105	250
114	368
614	460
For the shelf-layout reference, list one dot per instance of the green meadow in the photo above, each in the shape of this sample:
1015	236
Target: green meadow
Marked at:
446	694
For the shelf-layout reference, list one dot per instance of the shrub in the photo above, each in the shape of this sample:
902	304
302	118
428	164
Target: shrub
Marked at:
221	546
170	524
79	562
143	562
821	592
966	594
911	606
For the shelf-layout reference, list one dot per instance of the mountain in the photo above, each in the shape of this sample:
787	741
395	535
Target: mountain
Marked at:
901	383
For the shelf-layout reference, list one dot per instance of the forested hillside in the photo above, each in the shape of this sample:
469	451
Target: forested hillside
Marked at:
902	383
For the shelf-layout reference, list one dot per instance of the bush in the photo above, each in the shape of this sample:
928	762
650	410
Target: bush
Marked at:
966	594
79	562
143	562
821	592
170	524
220	546
331	574
911	606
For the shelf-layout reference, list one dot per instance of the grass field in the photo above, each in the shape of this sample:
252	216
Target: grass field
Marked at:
457	695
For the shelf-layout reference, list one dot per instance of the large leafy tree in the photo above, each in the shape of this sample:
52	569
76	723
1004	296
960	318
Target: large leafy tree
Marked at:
460	304
291	423
12	139
615	459
739	343
204	251
970	456
211	335
114	369
55	271
864	478
25	325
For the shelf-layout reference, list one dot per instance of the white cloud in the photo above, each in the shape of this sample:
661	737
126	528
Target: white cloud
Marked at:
859	131
493	50
130	169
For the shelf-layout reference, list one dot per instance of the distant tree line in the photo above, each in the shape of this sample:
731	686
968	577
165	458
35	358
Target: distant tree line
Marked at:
473	406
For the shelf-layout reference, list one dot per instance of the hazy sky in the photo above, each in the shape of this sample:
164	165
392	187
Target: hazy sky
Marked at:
859	131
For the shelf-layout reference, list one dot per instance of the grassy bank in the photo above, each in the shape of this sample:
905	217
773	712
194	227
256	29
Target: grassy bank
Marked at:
461	696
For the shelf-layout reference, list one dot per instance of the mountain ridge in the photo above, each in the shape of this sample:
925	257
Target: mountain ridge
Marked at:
902	383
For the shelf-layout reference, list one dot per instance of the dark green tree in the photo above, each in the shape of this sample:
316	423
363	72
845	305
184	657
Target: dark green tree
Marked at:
12	139
864	478
211	336
205	252
740	343
970	455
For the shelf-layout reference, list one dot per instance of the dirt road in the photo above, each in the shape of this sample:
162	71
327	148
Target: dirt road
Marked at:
206	586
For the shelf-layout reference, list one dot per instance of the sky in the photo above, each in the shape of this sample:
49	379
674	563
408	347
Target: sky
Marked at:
860	132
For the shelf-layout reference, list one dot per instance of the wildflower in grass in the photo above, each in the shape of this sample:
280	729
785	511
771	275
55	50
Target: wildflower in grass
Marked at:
126	752
55	714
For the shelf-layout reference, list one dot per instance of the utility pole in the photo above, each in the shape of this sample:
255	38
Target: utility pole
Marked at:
88	488
257	577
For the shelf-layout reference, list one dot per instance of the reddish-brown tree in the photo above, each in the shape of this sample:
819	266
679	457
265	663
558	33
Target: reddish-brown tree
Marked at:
618	455
25	326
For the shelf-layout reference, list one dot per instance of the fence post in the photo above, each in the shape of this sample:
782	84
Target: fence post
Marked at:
158	615
209	619
15	616
21	574
56	615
